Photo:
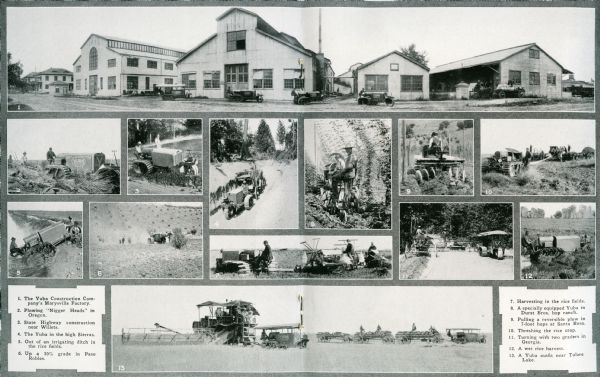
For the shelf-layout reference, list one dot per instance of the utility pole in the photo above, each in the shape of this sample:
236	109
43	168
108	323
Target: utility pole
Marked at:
320	46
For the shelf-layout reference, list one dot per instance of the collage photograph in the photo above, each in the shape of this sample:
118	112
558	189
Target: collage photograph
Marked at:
292	188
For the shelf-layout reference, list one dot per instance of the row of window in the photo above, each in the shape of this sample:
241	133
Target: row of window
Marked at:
111	83
144	48
131	62
514	77
64	78
408	83
261	78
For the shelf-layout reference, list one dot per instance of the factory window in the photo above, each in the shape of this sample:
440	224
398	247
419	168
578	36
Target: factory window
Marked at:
189	80
169	66
112	82
263	79
47	86
112	63
152	64
514	77
394	67
132	62
376	82
101	82
64	78
534	54
236	40
78	84
292	79
168	81
411	83
78	68
534	78
212	80
84	84
551	79
132	82
93	59
47	78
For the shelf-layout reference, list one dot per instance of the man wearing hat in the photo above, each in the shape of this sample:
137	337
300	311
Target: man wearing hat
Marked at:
266	257
138	150
14	249
350	250
349	170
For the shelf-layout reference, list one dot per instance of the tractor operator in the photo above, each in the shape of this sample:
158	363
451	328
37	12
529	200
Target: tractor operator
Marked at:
50	156
266	257
435	144
350	250
14	249
138	150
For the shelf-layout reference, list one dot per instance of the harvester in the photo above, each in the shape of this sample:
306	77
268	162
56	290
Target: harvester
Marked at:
434	162
380	335
466	335
509	162
328	337
232	322
163	159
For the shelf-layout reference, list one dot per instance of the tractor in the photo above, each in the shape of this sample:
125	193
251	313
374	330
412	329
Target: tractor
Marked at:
43	243
80	163
159	238
509	91
383	336
163	159
374	98
509	162
466	335
429	336
433	162
302	97
562	154
236	261
283	336
492	242
421	244
250	185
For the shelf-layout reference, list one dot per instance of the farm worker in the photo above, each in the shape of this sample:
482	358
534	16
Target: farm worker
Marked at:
266	257
419	231
157	141
195	168
24	158
349	170
14	249
70	223
414	327
50	156
138	150
350	250
372	249
526	158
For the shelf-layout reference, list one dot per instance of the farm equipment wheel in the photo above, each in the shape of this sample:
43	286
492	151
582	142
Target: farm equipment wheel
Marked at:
248	202
259	99
418	176
425	174
58	172
389	102
362	101
229	212
141	167
48	250
302	101
431	172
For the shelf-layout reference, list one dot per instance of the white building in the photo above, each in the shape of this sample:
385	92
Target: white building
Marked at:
49	80
111	66
394	73
247	53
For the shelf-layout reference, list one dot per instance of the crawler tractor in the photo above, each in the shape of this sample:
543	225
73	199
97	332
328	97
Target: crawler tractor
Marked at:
82	163
509	162
163	159
44	242
467	335
433	163
562	154
249	185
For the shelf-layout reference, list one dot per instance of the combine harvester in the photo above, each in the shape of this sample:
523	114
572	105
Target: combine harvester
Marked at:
229	323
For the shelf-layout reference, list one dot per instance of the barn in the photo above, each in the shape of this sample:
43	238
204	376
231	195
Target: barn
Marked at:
395	73
246	53
527	66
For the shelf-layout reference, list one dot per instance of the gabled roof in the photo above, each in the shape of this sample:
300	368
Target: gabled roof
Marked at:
56	71
197	47
396	52
490	58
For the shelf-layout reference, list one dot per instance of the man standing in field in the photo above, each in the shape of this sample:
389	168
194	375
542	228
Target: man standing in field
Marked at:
50	156
266	257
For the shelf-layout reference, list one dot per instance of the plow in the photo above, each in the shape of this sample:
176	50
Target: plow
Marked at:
435	162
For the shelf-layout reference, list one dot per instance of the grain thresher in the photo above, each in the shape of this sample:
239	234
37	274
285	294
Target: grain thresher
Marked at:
383	336
509	162
562	153
431	336
466	335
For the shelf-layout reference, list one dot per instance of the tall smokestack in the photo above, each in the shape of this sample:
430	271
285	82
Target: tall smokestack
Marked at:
320	50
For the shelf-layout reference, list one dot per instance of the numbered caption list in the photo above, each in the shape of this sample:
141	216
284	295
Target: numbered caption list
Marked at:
52	328
547	329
